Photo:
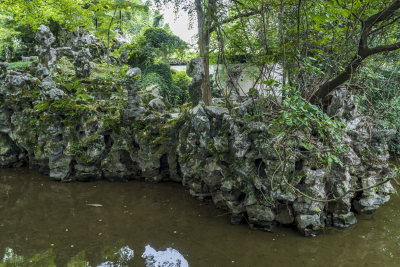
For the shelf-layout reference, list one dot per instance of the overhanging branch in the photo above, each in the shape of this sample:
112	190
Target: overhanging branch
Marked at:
230	19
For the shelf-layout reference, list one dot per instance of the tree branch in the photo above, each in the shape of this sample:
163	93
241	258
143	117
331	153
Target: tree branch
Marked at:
383	48
384	14
230	19
363	51
385	25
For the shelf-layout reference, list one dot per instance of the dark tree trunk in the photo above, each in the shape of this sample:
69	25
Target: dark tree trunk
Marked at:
363	50
207	23
329	86
204	42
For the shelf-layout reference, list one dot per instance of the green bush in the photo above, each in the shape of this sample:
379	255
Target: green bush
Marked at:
173	87
380	97
162	70
148	52
19	65
178	93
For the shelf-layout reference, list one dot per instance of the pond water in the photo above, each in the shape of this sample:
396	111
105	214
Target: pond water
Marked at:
46	223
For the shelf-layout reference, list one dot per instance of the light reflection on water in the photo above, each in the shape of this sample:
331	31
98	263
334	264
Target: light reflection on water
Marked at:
122	258
45	223
169	258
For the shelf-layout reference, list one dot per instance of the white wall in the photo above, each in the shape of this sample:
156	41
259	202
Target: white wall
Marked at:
249	78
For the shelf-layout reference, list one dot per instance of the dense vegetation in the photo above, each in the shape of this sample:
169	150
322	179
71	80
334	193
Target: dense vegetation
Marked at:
303	142
319	45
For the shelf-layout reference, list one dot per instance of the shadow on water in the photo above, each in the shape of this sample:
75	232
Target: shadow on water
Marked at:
45	223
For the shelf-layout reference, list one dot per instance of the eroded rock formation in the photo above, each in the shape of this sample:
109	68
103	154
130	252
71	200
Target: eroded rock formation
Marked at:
215	153
243	165
232	82
195	69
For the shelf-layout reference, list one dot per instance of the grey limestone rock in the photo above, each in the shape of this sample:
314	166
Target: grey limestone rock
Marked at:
8	152
157	104
4	66
4	123
115	170
344	220
216	112
195	69
133	73
284	215
309	224
260	215
342	104
47	54
60	167
200	120
82	64
133	109
232	82
44	36
29	59
212	152
132	79
50	89
65	52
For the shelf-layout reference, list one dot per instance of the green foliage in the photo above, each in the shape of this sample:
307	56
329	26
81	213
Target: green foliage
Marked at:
15	39
166	42
148	52
179	90
379	98
19	65
298	115
155	45
45	258
70	14
163	70
173	84
99	16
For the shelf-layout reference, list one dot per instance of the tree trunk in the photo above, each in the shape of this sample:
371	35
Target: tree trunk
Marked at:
363	50
207	23
329	86
204	42
204	54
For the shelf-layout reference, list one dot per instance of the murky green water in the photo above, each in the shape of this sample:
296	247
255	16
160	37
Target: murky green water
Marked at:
113	224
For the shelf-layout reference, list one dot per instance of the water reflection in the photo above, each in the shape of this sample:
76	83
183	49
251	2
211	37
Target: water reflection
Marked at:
167	258
121	258
41	259
52	224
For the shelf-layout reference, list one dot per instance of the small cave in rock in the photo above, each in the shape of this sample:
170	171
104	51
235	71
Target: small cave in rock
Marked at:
241	197
131	165
58	138
135	145
260	168
326	102
298	165
178	167
164	165
108	140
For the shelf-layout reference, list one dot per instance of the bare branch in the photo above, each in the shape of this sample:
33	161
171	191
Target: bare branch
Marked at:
230	19
383	48
384	14
385	25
